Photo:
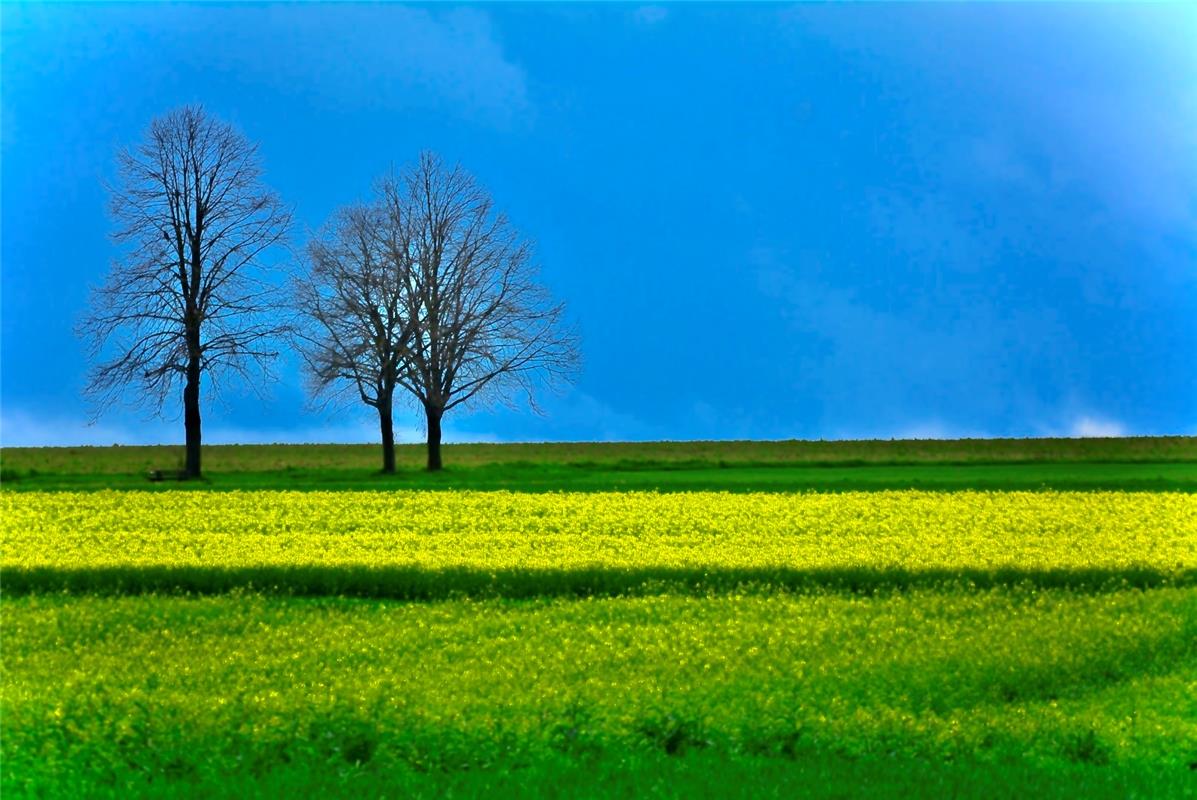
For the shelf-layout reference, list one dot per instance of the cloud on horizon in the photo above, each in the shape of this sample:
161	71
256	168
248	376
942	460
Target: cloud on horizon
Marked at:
23	429
1096	427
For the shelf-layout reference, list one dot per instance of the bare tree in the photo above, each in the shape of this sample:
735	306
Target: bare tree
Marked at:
185	299
483	328
352	330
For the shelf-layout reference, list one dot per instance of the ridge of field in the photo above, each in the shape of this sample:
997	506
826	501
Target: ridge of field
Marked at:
420	545
1132	464
269	457
117	694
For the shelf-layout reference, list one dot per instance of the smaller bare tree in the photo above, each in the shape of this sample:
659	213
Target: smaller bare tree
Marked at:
187	298
351	330
483	329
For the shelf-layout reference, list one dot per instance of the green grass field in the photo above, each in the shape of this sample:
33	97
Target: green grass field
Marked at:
1133	464
268	458
992	644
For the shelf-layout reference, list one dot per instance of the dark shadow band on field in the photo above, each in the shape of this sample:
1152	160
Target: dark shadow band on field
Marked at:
417	583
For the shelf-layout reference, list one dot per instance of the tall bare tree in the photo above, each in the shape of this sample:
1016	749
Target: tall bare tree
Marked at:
186	298
483	328
352	330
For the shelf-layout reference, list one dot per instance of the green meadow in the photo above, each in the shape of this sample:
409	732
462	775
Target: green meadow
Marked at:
1143	463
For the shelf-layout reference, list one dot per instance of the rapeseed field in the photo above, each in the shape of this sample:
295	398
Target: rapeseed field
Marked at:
52	534
498	643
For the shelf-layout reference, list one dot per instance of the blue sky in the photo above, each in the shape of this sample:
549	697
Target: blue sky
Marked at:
767	221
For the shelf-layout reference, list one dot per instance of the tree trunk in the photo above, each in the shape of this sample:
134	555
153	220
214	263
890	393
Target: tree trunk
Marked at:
434	436
191	418
388	437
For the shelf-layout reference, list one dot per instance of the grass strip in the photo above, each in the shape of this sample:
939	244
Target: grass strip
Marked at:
1138	476
623	455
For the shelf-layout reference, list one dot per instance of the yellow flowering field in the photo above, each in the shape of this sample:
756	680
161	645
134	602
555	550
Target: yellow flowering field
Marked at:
1053	631
299	535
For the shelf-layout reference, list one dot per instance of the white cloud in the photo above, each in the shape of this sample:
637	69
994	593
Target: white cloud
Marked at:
22	429
1123	138
596	419
869	358
650	15
938	429
1096	427
453	58
351	57
19	428
996	159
